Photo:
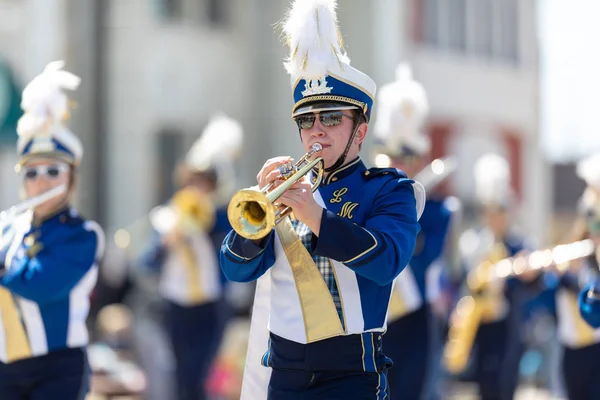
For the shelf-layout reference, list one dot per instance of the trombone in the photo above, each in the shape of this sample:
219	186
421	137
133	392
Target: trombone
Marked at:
253	214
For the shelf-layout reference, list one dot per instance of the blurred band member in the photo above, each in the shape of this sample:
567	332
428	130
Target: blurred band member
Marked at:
402	144
49	256
498	342
188	229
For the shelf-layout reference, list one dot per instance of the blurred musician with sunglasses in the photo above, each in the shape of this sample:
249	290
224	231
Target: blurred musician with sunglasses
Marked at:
330	267
50	263
402	144
184	251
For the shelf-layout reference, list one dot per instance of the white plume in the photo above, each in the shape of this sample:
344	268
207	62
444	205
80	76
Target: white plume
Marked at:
403	108
492	179
588	169
220	143
44	103
312	34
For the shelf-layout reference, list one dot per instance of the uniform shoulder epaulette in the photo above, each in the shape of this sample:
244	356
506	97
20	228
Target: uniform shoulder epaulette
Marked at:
393	172
72	218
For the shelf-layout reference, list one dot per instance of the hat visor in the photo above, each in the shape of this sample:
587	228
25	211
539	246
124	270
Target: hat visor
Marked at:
55	155
319	106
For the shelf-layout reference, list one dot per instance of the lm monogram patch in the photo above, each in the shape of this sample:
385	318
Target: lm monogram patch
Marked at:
347	208
337	195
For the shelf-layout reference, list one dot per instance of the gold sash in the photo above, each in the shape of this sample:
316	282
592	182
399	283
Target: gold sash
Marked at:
190	262
17	343
321	320
397	308
585	333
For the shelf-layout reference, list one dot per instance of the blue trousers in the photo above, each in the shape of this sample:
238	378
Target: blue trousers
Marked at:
498	353
195	334
61	374
288	384
581	371
407	343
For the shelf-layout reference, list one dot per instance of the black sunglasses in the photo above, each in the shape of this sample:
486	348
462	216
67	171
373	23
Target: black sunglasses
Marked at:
331	118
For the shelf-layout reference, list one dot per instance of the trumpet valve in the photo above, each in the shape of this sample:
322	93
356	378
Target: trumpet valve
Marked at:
288	169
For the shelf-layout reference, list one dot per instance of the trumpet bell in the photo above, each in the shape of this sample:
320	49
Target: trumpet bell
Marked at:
251	214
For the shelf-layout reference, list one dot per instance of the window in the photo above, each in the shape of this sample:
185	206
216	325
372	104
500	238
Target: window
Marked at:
487	29
170	9
216	11
457	25
430	21
209	12
482	28
170	149
508	30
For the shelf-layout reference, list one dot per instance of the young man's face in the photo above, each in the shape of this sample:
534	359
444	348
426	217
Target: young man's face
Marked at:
331	129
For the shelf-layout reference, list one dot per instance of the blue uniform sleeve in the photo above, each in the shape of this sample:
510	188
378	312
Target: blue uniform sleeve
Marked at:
242	260
153	256
383	247
589	304
58	266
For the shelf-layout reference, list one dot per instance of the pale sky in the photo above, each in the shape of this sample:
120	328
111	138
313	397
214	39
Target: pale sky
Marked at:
569	77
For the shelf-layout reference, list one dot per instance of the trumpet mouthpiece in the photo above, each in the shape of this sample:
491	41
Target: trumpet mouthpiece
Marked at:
316	148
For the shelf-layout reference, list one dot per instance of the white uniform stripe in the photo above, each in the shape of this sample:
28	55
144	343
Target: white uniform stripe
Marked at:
79	306
36	331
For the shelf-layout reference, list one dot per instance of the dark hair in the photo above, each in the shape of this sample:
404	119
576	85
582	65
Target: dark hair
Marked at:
183	176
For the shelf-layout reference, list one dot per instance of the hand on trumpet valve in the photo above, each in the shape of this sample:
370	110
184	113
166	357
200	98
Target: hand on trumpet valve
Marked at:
300	198
272	171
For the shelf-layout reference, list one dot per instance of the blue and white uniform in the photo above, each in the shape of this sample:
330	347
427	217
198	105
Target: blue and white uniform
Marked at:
49	266
321	302
357	255
191	282
400	138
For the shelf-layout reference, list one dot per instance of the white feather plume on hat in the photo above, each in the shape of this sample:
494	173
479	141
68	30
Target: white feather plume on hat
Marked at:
46	109
402	111
492	180
314	39
217	148
588	169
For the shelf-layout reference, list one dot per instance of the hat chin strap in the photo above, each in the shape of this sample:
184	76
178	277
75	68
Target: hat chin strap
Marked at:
341	159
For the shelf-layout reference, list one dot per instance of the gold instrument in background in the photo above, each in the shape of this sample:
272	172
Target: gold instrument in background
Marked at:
471	310
253	213
189	210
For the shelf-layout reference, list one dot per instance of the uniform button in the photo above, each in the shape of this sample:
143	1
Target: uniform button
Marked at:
334	179
29	240
367	173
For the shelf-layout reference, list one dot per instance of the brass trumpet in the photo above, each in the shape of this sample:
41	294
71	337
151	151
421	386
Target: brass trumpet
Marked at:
253	214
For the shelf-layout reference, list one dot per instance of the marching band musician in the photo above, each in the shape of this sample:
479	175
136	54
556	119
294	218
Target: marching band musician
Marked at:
589	299
581	342
403	145
331	267
189	231
498	343
50	256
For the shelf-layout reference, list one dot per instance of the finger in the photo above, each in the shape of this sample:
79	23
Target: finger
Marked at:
269	167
